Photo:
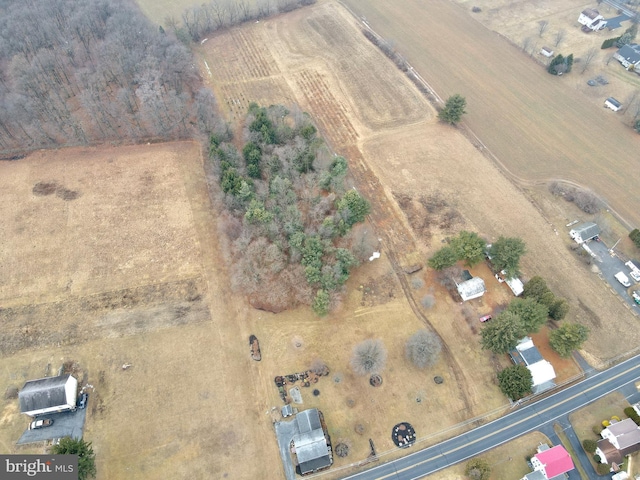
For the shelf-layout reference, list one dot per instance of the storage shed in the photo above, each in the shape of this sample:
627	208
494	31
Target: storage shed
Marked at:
613	104
50	394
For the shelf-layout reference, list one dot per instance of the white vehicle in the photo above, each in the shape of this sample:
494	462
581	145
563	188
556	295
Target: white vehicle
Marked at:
623	279
635	272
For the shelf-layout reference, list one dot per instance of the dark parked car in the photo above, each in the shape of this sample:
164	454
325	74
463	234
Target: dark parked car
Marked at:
82	403
45	422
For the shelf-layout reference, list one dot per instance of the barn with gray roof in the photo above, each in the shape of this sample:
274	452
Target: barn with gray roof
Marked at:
49	394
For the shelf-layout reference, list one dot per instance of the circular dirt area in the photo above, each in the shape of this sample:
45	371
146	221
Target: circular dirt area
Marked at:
375	380
403	435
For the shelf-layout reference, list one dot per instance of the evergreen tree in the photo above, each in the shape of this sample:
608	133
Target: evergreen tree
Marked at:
453	109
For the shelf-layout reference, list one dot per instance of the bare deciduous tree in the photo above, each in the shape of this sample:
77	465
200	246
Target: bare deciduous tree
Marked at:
423	348
588	58
560	34
542	27
369	357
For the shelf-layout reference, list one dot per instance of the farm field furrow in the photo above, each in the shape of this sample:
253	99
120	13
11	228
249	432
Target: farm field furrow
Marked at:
538	125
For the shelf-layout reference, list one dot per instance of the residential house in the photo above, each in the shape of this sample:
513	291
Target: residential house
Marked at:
618	440
585	232
50	394
552	462
311	445
542	372
591	19
613	104
472	288
629	55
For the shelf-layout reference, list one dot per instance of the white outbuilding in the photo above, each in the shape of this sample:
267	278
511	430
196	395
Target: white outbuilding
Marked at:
49	394
585	232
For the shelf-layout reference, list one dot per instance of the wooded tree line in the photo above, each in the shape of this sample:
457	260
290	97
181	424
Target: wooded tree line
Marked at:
289	216
198	21
83	71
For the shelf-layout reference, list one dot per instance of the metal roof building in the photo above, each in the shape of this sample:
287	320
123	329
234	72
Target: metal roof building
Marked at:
310	444
471	289
50	394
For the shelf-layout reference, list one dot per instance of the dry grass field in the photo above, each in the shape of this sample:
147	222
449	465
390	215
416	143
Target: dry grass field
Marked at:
110	258
113	257
192	403
539	126
159	10
507	461
398	151
520	23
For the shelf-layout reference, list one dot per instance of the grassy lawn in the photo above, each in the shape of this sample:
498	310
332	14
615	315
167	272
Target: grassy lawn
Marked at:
586	419
507	461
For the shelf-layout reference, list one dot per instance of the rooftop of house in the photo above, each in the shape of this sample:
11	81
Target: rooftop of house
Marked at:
627	433
613	102
43	393
592	13
556	460
471	287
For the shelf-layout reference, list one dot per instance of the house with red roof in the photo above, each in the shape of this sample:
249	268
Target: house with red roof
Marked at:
550	463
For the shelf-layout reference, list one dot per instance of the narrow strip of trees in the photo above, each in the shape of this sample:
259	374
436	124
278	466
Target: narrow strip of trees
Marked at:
200	20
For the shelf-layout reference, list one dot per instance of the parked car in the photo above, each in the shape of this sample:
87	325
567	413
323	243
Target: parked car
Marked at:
636	297
486	318
45	422
82	403
623	279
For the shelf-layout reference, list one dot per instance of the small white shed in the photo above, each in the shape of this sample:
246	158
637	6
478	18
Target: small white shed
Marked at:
613	104
546	51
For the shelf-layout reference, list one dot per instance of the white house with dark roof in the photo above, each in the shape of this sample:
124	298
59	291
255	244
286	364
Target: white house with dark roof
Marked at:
591	19
629	55
542	372
311	447
585	232
472	288
618	440
49	394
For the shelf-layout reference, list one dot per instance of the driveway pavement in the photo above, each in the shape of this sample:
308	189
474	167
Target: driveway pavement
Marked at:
616	22
550	433
609	266
285	431
65	424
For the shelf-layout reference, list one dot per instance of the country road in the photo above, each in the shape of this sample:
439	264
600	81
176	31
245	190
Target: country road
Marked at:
524	420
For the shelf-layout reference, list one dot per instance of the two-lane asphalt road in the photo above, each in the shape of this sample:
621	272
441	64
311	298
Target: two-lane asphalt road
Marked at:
515	424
